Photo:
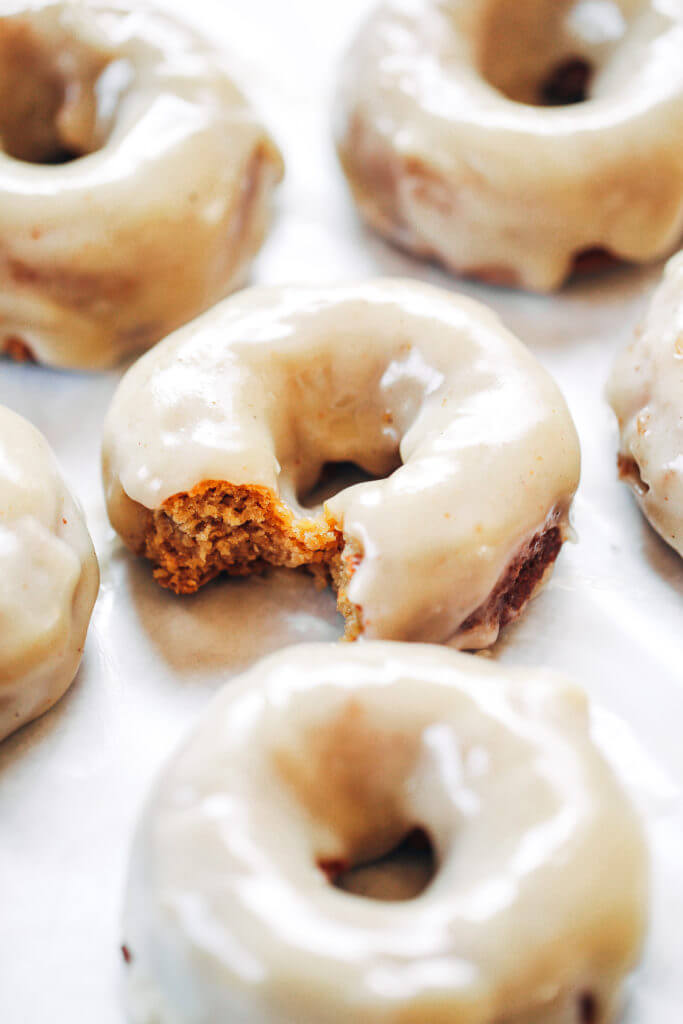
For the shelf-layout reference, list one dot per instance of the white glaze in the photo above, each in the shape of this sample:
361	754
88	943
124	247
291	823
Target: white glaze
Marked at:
105	255
48	576
646	393
541	883
447	165
273	383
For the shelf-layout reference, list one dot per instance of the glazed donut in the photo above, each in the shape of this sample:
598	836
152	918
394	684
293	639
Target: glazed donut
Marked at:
134	181
214	438
48	577
451	149
319	758
646	393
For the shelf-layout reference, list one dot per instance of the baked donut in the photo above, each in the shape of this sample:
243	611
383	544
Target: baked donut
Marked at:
214	438
134	180
463	138
322	757
48	577
646	393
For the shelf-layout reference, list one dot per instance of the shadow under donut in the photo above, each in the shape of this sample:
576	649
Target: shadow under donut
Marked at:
231	622
542	321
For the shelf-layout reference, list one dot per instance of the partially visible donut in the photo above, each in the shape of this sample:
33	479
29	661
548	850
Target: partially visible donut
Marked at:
135	182
48	577
463	134
322	758
646	393
215	437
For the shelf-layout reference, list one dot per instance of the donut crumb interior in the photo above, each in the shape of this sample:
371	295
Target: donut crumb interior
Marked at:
219	527
238	530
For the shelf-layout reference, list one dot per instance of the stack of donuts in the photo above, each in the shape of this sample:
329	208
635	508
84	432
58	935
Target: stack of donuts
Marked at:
521	142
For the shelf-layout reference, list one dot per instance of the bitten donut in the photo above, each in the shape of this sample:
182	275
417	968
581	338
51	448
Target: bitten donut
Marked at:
320	758
214	438
646	393
134	180
463	138
48	577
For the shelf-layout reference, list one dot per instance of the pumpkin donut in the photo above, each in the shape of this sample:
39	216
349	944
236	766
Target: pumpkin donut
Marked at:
214	438
134	180
320	758
462	135
48	576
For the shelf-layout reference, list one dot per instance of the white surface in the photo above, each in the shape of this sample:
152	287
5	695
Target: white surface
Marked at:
72	783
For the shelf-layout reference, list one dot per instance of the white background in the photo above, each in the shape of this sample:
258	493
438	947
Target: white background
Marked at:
72	783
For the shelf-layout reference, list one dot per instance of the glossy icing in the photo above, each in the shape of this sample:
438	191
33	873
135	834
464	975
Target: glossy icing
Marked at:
445	163
106	254
538	902
646	393
273	383
48	576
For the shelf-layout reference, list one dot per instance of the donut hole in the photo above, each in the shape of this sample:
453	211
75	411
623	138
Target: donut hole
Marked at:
588	1008
594	260
348	428
549	53
567	83
348	773
403	873
335	477
629	472
55	94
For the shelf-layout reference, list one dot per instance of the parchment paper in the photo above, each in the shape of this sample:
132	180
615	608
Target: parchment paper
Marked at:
71	784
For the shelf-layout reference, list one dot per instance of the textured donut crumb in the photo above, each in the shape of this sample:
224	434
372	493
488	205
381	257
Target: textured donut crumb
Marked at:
17	349
241	530
218	527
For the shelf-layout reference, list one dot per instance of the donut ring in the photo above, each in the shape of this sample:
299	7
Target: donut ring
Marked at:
322	756
48	577
164	208
213	438
449	155
646	393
